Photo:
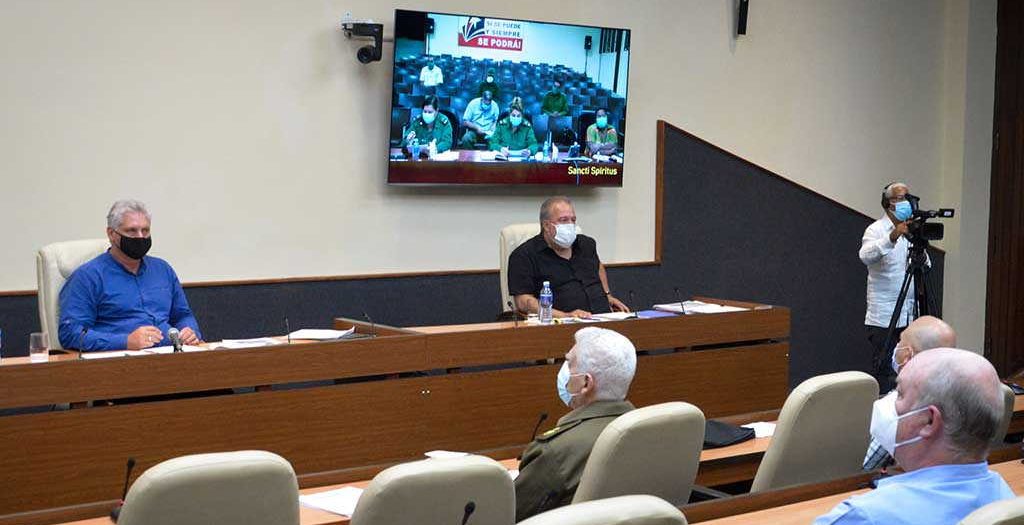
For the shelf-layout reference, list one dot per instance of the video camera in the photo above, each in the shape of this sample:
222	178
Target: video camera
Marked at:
919	229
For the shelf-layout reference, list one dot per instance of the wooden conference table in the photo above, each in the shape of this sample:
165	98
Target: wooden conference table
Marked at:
341	411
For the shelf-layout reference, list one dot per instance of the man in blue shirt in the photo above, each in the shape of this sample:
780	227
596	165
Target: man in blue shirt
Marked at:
939	425
123	299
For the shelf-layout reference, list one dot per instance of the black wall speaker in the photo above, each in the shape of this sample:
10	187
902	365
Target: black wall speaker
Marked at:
741	17
588	41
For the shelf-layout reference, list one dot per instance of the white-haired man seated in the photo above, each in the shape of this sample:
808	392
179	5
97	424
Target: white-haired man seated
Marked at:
593	382
939	425
124	298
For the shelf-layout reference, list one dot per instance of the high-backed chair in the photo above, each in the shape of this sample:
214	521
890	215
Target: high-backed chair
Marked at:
1005	512
653	450
509	238
439	491
250	487
623	510
822	431
54	264
1008	399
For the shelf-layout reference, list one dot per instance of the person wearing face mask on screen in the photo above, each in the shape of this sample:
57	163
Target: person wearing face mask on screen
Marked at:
124	299
593	383
939	424
567	260
883	250
431	126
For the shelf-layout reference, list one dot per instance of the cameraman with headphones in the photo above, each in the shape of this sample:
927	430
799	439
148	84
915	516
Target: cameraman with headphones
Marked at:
883	250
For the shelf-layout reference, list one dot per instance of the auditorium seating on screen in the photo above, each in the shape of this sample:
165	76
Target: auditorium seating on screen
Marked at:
463	75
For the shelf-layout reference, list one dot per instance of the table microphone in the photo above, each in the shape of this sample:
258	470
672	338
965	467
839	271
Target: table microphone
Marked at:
373	327
680	298
116	511
288	330
175	337
533	436
468	511
81	339
515	314
632	301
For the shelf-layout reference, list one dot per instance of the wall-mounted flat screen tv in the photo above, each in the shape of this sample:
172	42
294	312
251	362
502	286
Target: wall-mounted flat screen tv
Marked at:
481	100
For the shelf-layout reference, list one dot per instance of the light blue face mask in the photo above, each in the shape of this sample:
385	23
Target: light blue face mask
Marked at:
602	122
428	118
903	211
515	121
562	383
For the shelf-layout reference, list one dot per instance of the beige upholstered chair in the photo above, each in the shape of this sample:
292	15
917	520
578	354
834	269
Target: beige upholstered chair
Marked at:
653	450
1008	399
439	491
822	431
250	487
509	239
54	264
623	510
1005	512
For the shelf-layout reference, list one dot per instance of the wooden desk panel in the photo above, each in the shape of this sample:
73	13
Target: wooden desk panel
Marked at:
719	381
73	380
76	456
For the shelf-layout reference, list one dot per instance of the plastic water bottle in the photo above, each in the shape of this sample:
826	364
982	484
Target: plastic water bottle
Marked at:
547	299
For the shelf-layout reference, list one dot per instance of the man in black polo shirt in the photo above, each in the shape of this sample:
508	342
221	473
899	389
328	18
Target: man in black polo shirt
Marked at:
567	260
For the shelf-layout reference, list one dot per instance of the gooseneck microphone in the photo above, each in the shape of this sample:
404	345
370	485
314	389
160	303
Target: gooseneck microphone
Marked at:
175	337
373	327
632	301
468	511
543	417
288	330
515	314
116	511
679	297
81	339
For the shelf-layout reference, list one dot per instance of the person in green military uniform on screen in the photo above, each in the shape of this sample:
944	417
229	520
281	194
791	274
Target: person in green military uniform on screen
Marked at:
490	83
514	135
601	136
430	126
593	382
555	103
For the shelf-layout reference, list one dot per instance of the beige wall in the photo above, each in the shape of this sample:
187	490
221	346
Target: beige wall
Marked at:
259	140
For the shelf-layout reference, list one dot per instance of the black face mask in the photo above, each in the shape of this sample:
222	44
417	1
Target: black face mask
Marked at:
135	247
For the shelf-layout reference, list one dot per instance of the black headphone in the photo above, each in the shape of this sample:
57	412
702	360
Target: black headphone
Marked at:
885	200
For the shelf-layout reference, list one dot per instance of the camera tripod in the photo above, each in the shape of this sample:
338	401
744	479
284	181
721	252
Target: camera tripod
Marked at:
917	264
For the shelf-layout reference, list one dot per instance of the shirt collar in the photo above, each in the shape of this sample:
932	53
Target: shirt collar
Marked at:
597	409
955	472
542	244
113	262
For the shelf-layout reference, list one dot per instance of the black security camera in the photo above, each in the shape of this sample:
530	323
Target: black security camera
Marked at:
370	53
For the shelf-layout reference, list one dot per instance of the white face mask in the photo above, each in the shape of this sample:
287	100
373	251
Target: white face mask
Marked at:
565	235
885	422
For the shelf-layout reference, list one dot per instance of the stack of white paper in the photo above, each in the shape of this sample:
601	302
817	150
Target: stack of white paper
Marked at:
614	316
444	454
321	335
233	344
340	501
762	429
697	307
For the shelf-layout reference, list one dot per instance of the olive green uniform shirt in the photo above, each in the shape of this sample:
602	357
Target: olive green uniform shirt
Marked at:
442	132
515	139
552	465
555	103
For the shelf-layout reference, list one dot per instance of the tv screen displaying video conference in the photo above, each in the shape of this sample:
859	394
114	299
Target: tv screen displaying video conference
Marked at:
480	100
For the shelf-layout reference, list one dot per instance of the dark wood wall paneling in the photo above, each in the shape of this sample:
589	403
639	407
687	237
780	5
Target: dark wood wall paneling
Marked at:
1004	313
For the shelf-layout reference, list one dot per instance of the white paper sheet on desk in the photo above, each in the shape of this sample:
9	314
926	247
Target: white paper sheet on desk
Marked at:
321	335
614	316
697	307
761	429
102	355
339	501
136	353
256	342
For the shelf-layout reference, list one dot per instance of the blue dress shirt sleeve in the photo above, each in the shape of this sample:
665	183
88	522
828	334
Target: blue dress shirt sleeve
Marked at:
844	514
78	307
181	314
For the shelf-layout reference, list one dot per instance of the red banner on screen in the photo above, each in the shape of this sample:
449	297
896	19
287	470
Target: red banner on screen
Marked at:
492	33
